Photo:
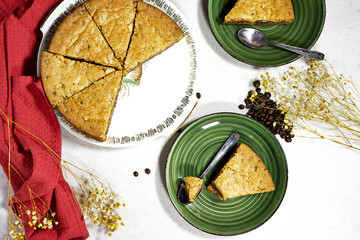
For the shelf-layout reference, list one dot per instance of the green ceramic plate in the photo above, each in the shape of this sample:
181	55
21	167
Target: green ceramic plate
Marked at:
303	32
192	152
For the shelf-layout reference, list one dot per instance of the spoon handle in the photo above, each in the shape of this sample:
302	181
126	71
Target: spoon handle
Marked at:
234	137
301	51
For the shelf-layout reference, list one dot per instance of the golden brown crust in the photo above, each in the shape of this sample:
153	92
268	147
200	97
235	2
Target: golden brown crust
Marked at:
193	186
90	110
115	18
62	77
261	12
79	37
211	188
243	174
154	32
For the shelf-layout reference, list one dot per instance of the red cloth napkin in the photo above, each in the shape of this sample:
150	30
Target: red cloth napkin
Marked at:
23	100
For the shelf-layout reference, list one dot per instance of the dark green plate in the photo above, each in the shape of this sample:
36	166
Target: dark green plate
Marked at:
192	152
303	32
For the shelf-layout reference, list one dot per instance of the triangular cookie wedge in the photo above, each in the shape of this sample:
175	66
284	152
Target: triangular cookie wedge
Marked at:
115	19
78	37
243	174
193	187
90	111
154	32
63	77
261	12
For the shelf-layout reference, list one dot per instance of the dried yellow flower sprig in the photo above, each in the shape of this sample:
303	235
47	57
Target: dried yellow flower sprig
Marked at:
98	201
319	101
37	218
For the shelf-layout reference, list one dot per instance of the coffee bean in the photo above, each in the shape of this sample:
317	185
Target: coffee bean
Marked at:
136	173
241	106
258	90
147	171
250	93
267	95
256	83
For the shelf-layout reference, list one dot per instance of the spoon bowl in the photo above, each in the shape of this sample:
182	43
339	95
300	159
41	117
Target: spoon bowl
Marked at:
252	38
256	39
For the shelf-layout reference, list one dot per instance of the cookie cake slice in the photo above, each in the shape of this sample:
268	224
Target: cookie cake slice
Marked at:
115	19
243	174
90	111
78	37
154	32
63	77
261	12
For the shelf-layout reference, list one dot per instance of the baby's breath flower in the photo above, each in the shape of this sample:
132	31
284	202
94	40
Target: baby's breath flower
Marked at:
319	101
99	203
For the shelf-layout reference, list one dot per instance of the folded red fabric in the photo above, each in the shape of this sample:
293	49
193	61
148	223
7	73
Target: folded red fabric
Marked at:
23	100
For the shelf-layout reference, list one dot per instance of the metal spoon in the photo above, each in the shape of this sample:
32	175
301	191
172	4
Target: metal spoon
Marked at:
256	39
234	137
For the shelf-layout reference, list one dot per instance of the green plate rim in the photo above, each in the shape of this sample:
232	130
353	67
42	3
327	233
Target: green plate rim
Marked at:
211	24
187	129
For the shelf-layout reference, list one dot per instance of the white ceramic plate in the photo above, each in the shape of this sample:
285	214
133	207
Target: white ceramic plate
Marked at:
165	97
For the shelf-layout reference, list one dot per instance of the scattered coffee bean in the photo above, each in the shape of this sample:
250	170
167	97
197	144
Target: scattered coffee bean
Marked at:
198	95
241	106
147	171
136	173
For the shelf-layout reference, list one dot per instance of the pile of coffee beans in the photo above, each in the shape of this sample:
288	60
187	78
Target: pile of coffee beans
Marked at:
266	111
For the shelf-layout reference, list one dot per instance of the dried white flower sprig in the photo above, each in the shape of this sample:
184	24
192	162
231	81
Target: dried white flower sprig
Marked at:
319	101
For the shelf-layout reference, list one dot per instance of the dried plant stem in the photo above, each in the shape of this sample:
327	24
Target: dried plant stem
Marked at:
319	101
97	198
